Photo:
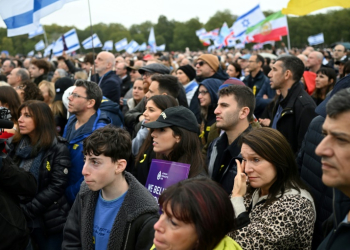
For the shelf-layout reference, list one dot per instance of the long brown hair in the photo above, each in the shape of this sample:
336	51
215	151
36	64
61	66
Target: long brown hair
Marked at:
271	145
45	128
10	97
162	102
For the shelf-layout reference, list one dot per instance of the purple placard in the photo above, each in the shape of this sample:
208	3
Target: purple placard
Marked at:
163	174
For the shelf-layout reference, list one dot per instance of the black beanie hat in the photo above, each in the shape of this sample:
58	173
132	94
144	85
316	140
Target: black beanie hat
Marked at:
189	71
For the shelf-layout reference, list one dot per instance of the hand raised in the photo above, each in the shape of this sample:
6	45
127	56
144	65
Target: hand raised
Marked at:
240	185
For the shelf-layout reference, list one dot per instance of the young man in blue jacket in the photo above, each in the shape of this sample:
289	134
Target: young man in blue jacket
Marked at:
84	103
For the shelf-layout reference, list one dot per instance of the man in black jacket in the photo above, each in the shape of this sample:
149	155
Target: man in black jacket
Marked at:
14	181
109	82
233	113
257	81
295	109
112	210
334	151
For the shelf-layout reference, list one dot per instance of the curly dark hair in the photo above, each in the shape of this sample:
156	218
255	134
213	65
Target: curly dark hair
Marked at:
31	91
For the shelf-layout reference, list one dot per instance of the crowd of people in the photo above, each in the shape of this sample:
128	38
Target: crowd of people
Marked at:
265	133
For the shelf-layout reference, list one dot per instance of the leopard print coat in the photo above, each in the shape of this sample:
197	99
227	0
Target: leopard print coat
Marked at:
285	224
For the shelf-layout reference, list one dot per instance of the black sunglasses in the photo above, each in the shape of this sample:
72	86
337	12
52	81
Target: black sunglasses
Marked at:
201	63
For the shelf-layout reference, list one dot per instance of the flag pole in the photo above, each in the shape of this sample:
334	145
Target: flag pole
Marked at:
288	38
92	39
45	37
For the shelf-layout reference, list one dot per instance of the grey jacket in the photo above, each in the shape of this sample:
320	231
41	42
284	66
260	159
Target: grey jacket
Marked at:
132	228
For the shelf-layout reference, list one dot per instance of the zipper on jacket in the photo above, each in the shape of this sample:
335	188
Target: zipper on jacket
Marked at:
335	217
127	236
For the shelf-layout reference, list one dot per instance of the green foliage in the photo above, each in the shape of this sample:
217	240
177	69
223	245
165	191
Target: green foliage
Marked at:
219	18
179	35
185	36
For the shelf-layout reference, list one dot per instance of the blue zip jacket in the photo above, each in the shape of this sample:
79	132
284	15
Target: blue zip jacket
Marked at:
75	147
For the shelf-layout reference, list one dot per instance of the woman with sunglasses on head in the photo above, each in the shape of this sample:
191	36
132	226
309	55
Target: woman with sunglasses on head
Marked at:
197	215
275	210
41	152
142	144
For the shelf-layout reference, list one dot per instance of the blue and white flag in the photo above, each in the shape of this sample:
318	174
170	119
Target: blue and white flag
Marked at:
142	47
152	41
40	45
37	32
48	49
108	45
71	40
132	47
200	32
93	41
240	46
161	47
246	20
316	39
121	44
31	53
23	16
231	42
211	48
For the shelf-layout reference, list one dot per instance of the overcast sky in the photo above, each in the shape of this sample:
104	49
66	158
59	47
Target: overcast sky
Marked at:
128	12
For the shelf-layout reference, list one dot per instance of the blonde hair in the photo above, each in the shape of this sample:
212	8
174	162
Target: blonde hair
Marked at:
80	75
51	88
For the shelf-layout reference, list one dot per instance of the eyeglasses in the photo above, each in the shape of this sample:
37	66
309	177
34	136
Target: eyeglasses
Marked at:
201	63
203	92
75	95
19	87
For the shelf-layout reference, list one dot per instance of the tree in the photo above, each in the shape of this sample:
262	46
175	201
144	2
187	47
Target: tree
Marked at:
219	18
185	35
164	31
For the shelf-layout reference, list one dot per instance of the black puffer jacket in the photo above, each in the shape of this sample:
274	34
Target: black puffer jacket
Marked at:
311	173
49	204
13	182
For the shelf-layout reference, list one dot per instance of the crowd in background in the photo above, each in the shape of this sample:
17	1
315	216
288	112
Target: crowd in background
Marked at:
87	127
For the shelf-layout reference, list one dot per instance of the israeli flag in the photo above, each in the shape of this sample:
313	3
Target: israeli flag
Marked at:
152	41
37	32
40	45
121	44
23	16
48	49
246	20
31	53
94	40
142	47
316	39
72	42
108	45
161	47
132	47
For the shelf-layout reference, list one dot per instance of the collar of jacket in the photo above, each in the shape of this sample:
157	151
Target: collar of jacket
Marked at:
292	95
132	200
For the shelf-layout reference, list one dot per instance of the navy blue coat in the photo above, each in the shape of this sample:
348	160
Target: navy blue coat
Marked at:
110	86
